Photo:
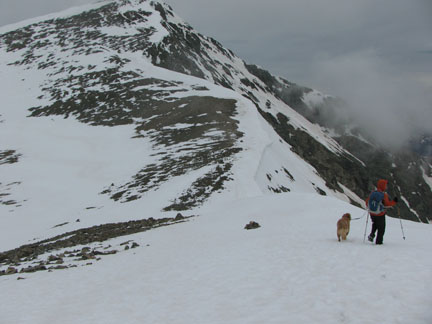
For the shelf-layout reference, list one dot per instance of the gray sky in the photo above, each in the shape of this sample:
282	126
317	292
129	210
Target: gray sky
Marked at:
376	54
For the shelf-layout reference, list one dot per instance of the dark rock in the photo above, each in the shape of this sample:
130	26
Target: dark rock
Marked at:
53	258
83	236
34	268
88	256
179	217
125	243
104	253
9	156
11	270
60	225
252	225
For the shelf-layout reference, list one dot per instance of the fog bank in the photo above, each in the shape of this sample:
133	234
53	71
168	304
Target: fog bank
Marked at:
392	107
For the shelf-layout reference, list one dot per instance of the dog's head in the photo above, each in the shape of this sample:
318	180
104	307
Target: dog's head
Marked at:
347	216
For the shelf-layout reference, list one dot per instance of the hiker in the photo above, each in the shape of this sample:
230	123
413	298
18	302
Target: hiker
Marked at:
376	203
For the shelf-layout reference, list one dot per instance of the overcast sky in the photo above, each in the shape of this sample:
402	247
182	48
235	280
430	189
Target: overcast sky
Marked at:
377	54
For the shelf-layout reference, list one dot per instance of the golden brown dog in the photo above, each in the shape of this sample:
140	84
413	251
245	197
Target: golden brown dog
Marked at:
343	226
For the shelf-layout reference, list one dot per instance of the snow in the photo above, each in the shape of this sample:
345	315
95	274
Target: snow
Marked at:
60	178
211	270
410	208
274	162
63	14
154	21
208	270
350	195
118	31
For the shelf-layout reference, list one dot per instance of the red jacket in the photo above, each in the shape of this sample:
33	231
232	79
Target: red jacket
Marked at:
382	186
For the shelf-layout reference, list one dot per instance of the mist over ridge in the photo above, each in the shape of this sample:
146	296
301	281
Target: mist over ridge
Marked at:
391	109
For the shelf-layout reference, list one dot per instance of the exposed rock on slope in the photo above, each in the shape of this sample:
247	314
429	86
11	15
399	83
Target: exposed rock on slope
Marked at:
135	62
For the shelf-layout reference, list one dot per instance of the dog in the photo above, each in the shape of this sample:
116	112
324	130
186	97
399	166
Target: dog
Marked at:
343	227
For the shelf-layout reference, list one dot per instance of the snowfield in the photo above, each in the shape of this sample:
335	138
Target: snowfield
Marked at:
64	165
211	270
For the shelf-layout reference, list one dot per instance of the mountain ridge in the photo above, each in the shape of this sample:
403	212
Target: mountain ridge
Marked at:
198	110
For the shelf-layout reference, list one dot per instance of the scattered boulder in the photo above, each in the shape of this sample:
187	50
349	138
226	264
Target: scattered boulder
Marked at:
100	233
179	217
62	224
252	225
87	256
55	259
104	253
34	268
125	243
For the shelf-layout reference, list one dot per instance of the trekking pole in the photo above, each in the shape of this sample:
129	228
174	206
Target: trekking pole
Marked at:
400	220
367	218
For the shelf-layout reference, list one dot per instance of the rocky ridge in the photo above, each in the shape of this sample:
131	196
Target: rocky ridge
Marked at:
78	248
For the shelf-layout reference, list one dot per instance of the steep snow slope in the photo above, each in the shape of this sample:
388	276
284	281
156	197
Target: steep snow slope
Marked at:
211	270
63	165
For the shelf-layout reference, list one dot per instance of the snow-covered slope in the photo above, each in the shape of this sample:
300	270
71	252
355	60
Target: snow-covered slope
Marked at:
211	270
101	134
116	116
194	110
63	165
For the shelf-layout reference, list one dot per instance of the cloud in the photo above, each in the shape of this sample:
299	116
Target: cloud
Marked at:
393	107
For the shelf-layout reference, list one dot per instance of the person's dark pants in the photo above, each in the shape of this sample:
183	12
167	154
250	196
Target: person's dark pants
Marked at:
378	225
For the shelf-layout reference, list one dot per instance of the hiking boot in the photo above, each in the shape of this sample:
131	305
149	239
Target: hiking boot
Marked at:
371	238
